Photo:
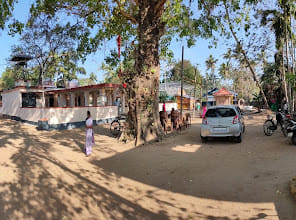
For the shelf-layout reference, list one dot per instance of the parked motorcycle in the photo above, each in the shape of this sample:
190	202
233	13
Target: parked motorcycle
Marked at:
282	120
291	129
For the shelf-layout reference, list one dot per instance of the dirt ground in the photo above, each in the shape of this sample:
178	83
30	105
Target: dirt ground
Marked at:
45	175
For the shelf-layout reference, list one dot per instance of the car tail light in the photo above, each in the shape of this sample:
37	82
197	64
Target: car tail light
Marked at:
204	121
288	116
235	120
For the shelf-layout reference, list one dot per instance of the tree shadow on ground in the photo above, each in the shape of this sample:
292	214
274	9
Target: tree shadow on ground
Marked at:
219	170
72	192
37	193
76	137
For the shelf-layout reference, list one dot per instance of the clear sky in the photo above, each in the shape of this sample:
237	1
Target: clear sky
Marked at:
197	54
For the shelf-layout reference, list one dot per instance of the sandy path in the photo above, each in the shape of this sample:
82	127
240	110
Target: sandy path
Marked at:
44	175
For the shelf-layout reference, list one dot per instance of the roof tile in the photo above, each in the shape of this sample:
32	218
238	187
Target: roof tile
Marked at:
222	92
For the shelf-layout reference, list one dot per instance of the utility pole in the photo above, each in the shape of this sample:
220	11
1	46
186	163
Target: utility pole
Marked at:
42	87
194	91
201	91
182	70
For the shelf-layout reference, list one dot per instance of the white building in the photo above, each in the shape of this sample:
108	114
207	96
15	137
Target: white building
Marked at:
61	107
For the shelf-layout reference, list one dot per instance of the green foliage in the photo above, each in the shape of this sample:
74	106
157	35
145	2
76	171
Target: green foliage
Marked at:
280	20
224	71
173	99
143	22
189	72
108	19
113	65
7	79
276	21
15	28
6	7
271	75
188	76
271	83
92	80
258	101
163	97
111	74
52	47
236	20
93	77
236	76
11	74
211	78
291	77
84	81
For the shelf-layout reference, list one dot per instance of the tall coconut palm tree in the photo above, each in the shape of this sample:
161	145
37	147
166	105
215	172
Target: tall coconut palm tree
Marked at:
211	65
280	23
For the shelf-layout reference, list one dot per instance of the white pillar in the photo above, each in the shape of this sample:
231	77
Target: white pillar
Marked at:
4	100
103	94
114	96
95	98
72	100
91	99
64	98
86	98
110	101
59	101
56	102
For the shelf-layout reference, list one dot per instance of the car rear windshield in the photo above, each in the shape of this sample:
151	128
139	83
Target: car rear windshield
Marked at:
220	112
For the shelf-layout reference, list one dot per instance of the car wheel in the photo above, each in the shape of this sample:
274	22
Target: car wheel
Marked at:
203	139
238	139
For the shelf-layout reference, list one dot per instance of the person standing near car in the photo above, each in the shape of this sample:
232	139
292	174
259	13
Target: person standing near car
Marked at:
198	106
204	111
174	118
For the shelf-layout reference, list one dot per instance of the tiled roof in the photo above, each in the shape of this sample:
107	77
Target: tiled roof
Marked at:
223	92
56	90
102	85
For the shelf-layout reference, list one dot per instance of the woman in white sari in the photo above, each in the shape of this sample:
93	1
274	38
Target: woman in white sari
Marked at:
89	141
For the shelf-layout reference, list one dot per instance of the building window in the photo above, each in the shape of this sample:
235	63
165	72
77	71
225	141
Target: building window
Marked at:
77	100
28	100
51	101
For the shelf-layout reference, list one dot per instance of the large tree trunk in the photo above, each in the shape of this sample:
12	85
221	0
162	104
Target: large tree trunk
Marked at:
292	51
289	100
144	87
284	77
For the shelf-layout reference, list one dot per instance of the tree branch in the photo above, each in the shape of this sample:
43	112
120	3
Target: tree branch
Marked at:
137	2
244	54
159	5
70	8
78	10
206	7
125	14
